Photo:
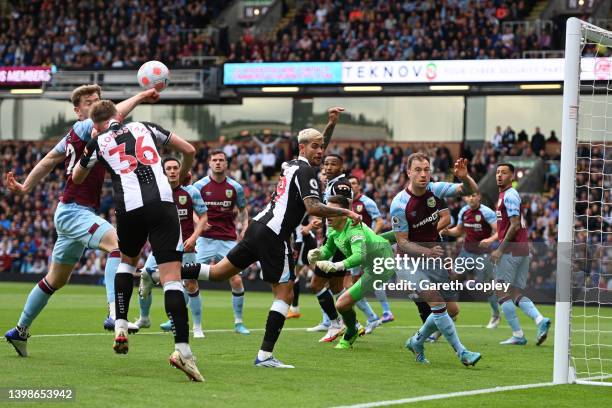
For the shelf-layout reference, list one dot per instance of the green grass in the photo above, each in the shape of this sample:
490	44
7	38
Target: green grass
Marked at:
378	368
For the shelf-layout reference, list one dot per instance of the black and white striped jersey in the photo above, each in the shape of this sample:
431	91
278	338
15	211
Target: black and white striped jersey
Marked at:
286	209
129	152
339	185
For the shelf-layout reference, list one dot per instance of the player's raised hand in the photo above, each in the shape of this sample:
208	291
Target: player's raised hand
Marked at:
150	95
460	169
13	185
334	113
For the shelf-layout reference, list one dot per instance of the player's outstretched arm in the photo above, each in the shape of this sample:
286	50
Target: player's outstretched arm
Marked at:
182	146
456	231
468	185
333	115
316	208
40	171
124	108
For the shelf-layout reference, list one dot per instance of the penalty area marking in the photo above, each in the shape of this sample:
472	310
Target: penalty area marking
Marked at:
146	333
445	396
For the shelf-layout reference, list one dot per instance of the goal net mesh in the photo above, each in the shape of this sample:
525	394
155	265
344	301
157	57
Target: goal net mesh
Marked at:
591	315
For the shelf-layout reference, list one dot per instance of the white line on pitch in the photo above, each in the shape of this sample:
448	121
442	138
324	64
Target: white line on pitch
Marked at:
140	333
444	396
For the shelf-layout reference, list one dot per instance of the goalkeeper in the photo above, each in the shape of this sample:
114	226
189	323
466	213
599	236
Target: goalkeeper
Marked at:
360	245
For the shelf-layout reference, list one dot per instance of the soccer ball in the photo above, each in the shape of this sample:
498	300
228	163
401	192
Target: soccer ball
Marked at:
153	74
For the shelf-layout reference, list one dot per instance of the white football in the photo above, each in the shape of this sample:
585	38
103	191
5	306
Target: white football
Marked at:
153	74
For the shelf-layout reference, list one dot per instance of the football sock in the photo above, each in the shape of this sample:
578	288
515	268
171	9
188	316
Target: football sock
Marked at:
428	328
365	307
296	293
447	327
509	310
176	309
274	324
124	286
37	300
238	304
381	295
529	309
195	305
113	259
494	305
145	305
424	310
350	321
326	301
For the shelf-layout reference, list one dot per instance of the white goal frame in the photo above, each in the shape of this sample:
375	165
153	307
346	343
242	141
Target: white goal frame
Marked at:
577	33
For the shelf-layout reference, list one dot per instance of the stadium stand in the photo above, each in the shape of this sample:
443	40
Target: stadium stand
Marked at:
106	34
53	32
397	30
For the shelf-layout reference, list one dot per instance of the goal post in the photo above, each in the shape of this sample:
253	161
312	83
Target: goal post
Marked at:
584	129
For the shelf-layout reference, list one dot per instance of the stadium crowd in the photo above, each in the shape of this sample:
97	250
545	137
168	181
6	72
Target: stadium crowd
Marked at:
120	34
105	34
355	30
27	233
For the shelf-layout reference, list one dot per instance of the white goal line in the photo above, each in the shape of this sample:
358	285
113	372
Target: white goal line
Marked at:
140	333
445	396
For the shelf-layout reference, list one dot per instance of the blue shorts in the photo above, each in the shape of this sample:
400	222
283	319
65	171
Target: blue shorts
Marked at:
78	227
208	249
483	270
151	263
513	270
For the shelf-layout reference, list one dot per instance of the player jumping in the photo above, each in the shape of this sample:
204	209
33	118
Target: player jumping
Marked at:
78	227
145	209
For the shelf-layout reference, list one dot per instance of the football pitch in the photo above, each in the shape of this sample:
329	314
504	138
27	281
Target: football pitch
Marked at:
69	348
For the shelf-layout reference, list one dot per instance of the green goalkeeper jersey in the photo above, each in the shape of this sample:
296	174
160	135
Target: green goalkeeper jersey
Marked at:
352	241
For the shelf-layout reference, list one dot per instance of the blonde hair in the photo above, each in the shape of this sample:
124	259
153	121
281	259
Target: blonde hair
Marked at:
84	90
306	135
102	111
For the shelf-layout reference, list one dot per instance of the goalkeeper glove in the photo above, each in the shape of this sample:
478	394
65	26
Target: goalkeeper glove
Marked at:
314	255
330	267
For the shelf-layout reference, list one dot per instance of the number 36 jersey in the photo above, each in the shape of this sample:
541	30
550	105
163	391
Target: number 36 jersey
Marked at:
72	145
130	154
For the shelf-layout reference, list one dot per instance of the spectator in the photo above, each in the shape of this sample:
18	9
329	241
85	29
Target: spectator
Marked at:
537	141
497	138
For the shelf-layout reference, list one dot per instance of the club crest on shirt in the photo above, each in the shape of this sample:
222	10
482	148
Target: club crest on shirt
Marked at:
229	193
413	214
182	200
478	218
313	184
395	220
359	207
431	202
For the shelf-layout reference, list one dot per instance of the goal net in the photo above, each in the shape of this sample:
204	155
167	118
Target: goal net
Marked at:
583	329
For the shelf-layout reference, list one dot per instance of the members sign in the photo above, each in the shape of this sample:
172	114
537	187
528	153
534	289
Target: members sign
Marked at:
24	75
412	72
